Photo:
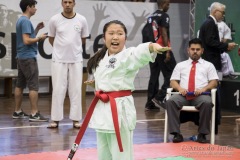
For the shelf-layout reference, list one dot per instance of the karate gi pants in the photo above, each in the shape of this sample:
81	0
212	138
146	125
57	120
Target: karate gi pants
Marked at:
107	145
67	76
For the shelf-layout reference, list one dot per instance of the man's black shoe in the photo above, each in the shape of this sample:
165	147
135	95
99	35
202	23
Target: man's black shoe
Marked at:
201	138
177	138
151	108
158	103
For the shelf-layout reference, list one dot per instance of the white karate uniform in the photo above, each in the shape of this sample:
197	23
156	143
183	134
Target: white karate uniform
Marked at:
67	64
116	73
225	33
67	76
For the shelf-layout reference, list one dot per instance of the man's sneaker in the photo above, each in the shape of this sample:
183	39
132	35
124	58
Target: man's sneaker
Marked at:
37	118
19	115
158	103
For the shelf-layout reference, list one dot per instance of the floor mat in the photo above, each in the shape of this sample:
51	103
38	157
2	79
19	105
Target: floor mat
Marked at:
172	158
159	151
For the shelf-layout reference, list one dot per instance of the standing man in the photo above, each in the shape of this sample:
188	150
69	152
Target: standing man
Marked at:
164	62
213	47
67	33
193	75
27	62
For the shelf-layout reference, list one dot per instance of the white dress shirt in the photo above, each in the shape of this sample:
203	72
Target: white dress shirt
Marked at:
205	71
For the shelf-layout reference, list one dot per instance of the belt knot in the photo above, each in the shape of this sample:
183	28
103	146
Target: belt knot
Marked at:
102	96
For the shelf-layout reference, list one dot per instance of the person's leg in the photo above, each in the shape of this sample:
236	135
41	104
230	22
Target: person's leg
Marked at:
204	104
75	91
108	148
59	82
230	65
18	94
166	69
33	96
20	84
166	84
224	62
173	107
127	143
153	84
102	147
31	73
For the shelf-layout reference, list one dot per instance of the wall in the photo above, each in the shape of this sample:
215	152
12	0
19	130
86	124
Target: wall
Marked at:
132	14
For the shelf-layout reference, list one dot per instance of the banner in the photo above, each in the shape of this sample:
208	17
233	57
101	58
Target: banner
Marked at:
97	13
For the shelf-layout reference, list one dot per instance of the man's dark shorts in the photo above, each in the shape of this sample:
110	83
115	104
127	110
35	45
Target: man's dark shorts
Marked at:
27	74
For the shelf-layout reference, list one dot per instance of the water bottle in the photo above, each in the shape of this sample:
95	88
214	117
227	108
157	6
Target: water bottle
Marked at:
193	138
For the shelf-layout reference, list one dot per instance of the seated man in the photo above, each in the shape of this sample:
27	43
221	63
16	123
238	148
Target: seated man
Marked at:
193	75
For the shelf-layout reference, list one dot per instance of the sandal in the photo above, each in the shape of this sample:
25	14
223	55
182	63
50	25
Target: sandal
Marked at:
77	125
53	125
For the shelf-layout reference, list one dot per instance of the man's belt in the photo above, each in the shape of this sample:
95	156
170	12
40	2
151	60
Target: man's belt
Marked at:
104	97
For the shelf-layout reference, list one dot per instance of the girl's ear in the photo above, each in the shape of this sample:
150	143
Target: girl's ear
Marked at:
103	38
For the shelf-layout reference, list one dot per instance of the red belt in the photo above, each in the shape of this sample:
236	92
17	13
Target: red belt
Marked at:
104	97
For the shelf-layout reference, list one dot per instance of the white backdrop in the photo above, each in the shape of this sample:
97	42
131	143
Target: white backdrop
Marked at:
97	13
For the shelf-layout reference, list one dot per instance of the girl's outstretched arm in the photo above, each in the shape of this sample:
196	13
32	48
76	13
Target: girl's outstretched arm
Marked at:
157	48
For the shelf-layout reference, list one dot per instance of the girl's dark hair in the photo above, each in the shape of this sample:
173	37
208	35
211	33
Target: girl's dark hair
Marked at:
94	61
24	3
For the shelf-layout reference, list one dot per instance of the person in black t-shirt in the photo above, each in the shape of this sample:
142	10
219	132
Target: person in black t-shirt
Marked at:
164	62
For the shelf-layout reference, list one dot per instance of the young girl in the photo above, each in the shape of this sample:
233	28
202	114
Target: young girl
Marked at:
114	68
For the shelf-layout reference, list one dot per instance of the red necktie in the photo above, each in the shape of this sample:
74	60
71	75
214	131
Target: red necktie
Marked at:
191	82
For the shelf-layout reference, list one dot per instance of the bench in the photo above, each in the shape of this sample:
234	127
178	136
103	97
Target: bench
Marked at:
8	85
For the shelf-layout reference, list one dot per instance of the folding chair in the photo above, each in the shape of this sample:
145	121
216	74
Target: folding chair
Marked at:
192	109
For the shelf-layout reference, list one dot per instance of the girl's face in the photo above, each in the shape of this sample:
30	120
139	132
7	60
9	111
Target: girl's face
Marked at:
115	38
